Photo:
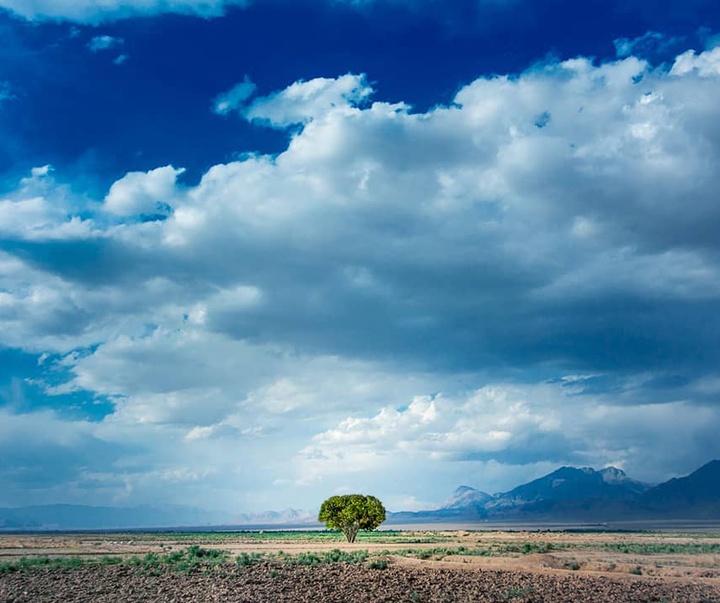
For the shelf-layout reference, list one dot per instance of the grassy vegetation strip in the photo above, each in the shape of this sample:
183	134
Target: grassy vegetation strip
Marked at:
305	536
197	557
660	548
528	547
191	558
26	563
308	558
495	549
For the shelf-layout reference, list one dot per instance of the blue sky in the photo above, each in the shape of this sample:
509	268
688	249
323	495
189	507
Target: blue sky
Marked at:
256	253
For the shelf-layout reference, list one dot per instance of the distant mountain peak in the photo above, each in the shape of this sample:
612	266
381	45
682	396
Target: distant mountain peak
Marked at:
460	490
466	496
613	475
567	488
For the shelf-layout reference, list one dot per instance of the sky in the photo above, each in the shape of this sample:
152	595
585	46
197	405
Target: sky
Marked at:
257	253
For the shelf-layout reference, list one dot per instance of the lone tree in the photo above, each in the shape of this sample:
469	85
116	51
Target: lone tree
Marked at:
351	513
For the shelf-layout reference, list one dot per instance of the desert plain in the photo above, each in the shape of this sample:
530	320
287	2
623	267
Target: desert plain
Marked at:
433	566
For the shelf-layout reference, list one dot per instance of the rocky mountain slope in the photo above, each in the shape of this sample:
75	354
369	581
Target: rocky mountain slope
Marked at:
698	494
584	494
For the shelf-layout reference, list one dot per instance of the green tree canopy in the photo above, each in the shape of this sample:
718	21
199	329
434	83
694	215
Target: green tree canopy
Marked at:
351	513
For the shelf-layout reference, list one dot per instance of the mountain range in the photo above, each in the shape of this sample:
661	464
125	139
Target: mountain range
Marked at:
566	495
569	494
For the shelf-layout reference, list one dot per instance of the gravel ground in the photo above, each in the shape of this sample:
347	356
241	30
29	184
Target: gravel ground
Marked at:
337	583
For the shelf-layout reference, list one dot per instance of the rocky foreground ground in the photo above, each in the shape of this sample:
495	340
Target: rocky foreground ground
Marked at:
337	583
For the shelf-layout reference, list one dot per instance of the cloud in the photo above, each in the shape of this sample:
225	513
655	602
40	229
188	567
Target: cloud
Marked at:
705	64
273	319
41	451
39	172
140	192
99	43
234	99
92	12
652	45
456	15
510	425
201	395
41	210
303	101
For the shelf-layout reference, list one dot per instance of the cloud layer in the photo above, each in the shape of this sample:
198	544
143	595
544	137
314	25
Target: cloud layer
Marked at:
542	251
93	12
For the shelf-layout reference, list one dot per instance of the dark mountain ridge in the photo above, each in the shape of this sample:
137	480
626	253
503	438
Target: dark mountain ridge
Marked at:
567	491
570	483
585	495
699	492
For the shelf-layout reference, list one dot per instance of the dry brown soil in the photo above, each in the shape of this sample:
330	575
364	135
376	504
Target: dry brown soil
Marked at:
584	572
338	583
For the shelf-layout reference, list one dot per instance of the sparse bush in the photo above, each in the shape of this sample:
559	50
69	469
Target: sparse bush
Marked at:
198	552
110	560
151	560
26	563
305	559
245	559
174	557
379	563
573	565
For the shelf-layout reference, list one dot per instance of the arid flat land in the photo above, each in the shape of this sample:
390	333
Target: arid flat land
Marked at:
434	566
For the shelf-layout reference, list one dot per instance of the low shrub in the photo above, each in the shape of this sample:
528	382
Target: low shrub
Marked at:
379	563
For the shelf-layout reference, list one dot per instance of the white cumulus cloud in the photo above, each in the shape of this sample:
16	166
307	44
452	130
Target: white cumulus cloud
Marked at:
143	192
705	64
304	101
286	309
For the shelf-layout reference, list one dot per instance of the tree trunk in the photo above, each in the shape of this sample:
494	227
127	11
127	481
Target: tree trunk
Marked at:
350	533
